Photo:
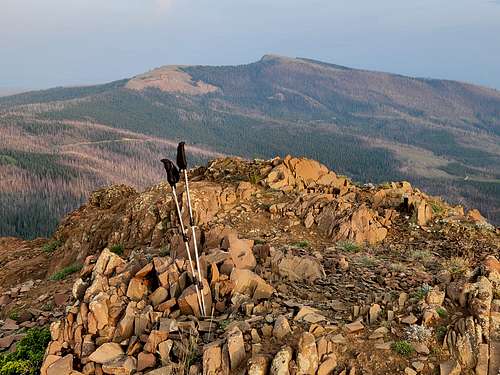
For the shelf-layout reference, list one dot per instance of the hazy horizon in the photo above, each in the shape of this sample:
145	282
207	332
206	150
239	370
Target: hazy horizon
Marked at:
60	43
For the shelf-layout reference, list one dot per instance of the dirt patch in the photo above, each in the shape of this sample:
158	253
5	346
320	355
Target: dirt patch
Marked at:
170	79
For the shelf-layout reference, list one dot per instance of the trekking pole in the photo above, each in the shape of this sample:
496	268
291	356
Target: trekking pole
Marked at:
173	178
182	164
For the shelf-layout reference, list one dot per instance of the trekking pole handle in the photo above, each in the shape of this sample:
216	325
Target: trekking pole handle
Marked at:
181	156
173	175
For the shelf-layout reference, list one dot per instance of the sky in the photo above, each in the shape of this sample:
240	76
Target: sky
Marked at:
73	42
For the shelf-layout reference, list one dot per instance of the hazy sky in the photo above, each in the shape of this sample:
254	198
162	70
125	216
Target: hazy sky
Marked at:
46	43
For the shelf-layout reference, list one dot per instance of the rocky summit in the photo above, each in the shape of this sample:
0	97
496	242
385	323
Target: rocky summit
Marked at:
303	272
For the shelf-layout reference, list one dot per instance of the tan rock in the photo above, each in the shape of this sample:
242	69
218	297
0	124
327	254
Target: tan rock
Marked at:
188	300
106	352
241	252
328	365
137	289
144	271
435	297
410	319
307	356
145	360
354	327
301	268
212	360
450	367
62	366
154	339
247	282
281	361
49	359
258	365
158	296
374	313
309	314
281	328
164	349
424	213
79	288
99	308
236	348
122	365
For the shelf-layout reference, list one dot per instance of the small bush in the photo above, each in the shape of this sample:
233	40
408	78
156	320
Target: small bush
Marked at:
403	347
457	265
368	261
441	333
117	249
422	292
423	255
436	207
349	247
258	241
254	179
442	312
28	356
61	275
14	314
165	251
51	246
301	244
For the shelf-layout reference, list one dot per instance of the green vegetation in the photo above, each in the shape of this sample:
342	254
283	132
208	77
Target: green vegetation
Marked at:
457	265
14	314
51	246
117	249
436	207
61	275
165	251
441	333
349	246
422	255
443	314
368	261
7	160
403	348
28	356
421	292
301	244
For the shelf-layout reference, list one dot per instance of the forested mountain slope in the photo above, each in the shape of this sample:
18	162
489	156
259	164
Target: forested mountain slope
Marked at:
61	143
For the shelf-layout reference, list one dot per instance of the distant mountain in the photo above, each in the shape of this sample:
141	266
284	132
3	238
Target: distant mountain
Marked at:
61	143
7	91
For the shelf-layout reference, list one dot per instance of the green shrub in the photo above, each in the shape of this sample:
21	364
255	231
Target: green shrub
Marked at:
117	249
302	244
61	275
14	314
254	179
349	247
441	333
51	246
442	312
403	347
28	356
422	292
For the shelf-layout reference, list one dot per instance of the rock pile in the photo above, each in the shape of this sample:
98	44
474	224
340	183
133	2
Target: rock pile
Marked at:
474	339
303	272
130	316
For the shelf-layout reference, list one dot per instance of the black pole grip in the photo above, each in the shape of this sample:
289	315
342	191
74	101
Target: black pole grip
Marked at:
181	156
173	175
